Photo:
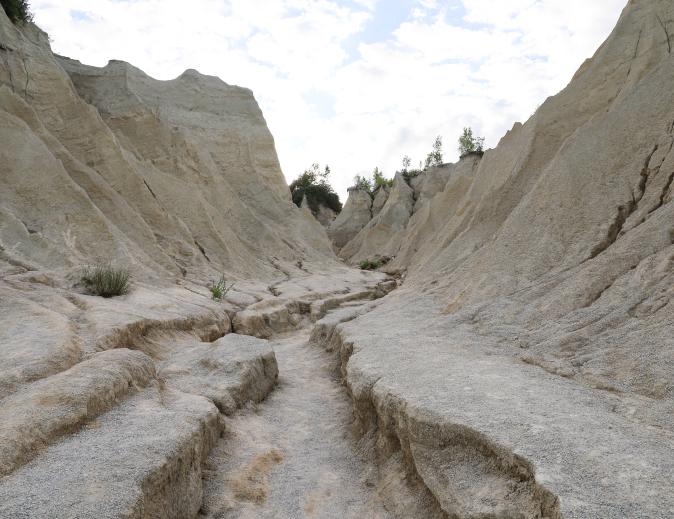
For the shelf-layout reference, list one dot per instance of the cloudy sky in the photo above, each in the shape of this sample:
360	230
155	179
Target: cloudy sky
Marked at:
351	83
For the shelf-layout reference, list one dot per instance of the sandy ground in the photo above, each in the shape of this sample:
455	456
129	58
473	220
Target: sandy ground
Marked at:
294	455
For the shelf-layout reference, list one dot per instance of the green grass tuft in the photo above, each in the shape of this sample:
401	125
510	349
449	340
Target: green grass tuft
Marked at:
106	280
219	289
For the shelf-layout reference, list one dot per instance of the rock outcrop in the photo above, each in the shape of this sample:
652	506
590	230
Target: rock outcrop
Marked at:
324	215
357	212
166	176
396	233
381	235
379	201
109	407
525	367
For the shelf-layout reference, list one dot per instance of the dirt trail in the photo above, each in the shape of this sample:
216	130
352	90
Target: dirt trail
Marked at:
294	455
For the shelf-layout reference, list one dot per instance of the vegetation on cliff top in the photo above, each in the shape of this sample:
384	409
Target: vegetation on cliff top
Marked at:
315	185
371	185
434	158
468	143
17	10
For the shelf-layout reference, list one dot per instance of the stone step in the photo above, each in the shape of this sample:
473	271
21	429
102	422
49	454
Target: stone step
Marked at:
230	372
35	416
142	459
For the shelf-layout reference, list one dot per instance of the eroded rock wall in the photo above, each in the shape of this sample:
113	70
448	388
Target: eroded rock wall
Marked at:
381	235
110	406
531	348
168	176
357	212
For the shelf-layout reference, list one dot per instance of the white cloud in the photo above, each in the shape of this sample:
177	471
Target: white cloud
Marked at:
327	95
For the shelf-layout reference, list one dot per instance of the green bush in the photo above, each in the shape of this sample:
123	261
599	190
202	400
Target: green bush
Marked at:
219	289
370	186
362	183
17	10
379	180
106	280
434	158
314	184
407	175
468	143
374	263
407	172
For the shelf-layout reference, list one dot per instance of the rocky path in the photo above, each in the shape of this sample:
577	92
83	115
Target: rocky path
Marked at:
294	455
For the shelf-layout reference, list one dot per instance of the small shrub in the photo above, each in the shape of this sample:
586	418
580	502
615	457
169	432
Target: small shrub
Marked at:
362	183
106	280
470	144
434	158
315	185
374	263
379	180
17	10
407	175
219	289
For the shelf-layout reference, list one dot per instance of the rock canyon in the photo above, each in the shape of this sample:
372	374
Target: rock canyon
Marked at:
514	359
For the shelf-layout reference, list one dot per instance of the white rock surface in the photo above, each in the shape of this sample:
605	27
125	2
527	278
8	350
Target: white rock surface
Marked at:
526	367
357	212
379	201
170	177
110	406
381	236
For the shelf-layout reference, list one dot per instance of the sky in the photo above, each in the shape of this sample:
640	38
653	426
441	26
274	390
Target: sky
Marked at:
355	84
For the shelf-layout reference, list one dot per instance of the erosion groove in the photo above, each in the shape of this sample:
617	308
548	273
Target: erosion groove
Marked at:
464	473
119	372
664	28
294	455
156	405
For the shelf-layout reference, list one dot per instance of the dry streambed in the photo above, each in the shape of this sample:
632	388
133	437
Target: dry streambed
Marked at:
126	431
295	454
302	453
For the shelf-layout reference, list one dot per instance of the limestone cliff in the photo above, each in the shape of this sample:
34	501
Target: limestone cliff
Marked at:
109	407
380	235
168	176
357	212
533	337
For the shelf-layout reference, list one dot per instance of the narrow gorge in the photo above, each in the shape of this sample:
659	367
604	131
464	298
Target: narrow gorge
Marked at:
513	358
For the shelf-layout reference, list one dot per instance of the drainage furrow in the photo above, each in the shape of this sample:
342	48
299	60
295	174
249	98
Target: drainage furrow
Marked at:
296	454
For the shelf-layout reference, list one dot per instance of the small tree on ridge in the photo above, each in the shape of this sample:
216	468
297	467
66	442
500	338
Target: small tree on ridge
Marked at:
468	143
17	10
434	158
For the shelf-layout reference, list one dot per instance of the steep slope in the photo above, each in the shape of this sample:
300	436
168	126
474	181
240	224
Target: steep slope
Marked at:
171	176
525	369
357	212
110	406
